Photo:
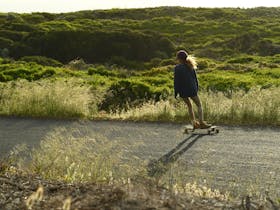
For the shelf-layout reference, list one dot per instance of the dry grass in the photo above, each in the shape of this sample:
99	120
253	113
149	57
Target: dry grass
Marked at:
254	107
73	155
57	99
77	156
73	99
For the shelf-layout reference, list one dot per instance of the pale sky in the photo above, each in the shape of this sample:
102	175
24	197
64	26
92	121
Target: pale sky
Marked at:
56	6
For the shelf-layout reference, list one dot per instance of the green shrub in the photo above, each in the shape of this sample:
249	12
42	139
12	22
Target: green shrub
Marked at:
166	70
23	70
103	71
167	62
43	74
20	73
41	60
126	93
276	59
203	65
2	77
243	59
6	43
157	81
268	73
123	62
224	83
4	52
13	35
22	27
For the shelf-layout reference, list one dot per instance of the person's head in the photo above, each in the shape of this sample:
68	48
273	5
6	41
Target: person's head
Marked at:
184	57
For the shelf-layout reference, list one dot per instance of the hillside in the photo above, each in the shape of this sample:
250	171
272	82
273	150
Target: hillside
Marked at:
129	37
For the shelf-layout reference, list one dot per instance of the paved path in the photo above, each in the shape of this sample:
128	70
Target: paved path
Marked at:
238	159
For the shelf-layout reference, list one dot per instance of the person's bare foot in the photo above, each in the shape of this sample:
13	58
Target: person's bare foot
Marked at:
204	124
196	124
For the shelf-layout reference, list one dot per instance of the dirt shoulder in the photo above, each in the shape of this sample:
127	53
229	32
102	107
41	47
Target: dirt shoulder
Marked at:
19	192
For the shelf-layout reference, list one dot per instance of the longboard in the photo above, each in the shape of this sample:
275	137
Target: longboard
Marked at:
211	130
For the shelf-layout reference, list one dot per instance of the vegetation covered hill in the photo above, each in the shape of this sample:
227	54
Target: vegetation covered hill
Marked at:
129	37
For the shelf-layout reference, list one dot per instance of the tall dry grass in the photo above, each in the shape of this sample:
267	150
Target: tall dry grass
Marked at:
74	99
73	155
255	107
76	155
58	99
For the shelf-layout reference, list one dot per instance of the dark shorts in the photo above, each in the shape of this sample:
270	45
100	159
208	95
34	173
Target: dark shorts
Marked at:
185	95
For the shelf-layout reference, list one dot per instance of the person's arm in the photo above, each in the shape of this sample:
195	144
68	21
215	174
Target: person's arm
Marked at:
196	79
176	81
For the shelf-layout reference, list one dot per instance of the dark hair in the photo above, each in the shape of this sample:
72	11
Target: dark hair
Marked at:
186	58
182	55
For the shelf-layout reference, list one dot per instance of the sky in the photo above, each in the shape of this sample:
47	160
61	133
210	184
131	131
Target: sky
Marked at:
57	6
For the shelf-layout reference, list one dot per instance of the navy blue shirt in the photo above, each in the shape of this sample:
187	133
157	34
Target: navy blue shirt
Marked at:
185	81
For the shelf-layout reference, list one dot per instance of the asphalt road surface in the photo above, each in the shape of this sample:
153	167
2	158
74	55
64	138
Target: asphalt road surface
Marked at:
238	159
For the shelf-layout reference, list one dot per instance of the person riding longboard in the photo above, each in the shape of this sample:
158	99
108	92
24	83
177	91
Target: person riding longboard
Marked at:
186	85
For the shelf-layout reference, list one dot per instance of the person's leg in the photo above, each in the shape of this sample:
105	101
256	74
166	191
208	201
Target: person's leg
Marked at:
202	123
190	109
197	102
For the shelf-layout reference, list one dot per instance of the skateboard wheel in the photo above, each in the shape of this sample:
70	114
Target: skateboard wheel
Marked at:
217	131
209	132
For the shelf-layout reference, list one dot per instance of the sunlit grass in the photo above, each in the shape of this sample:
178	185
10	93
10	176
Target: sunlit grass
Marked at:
253	107
72	155
80	156
58	99
74	99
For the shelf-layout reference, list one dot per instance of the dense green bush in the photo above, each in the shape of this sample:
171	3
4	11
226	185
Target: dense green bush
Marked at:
44	61
5	43
123	62
125	93
268	73
101	70
4	52
28	71
13	35
97	46
226	84
242	59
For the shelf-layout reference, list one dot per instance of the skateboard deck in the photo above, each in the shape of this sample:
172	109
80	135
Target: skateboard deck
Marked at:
211	130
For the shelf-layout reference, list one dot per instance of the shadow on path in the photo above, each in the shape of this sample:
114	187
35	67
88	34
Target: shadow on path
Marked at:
157	168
